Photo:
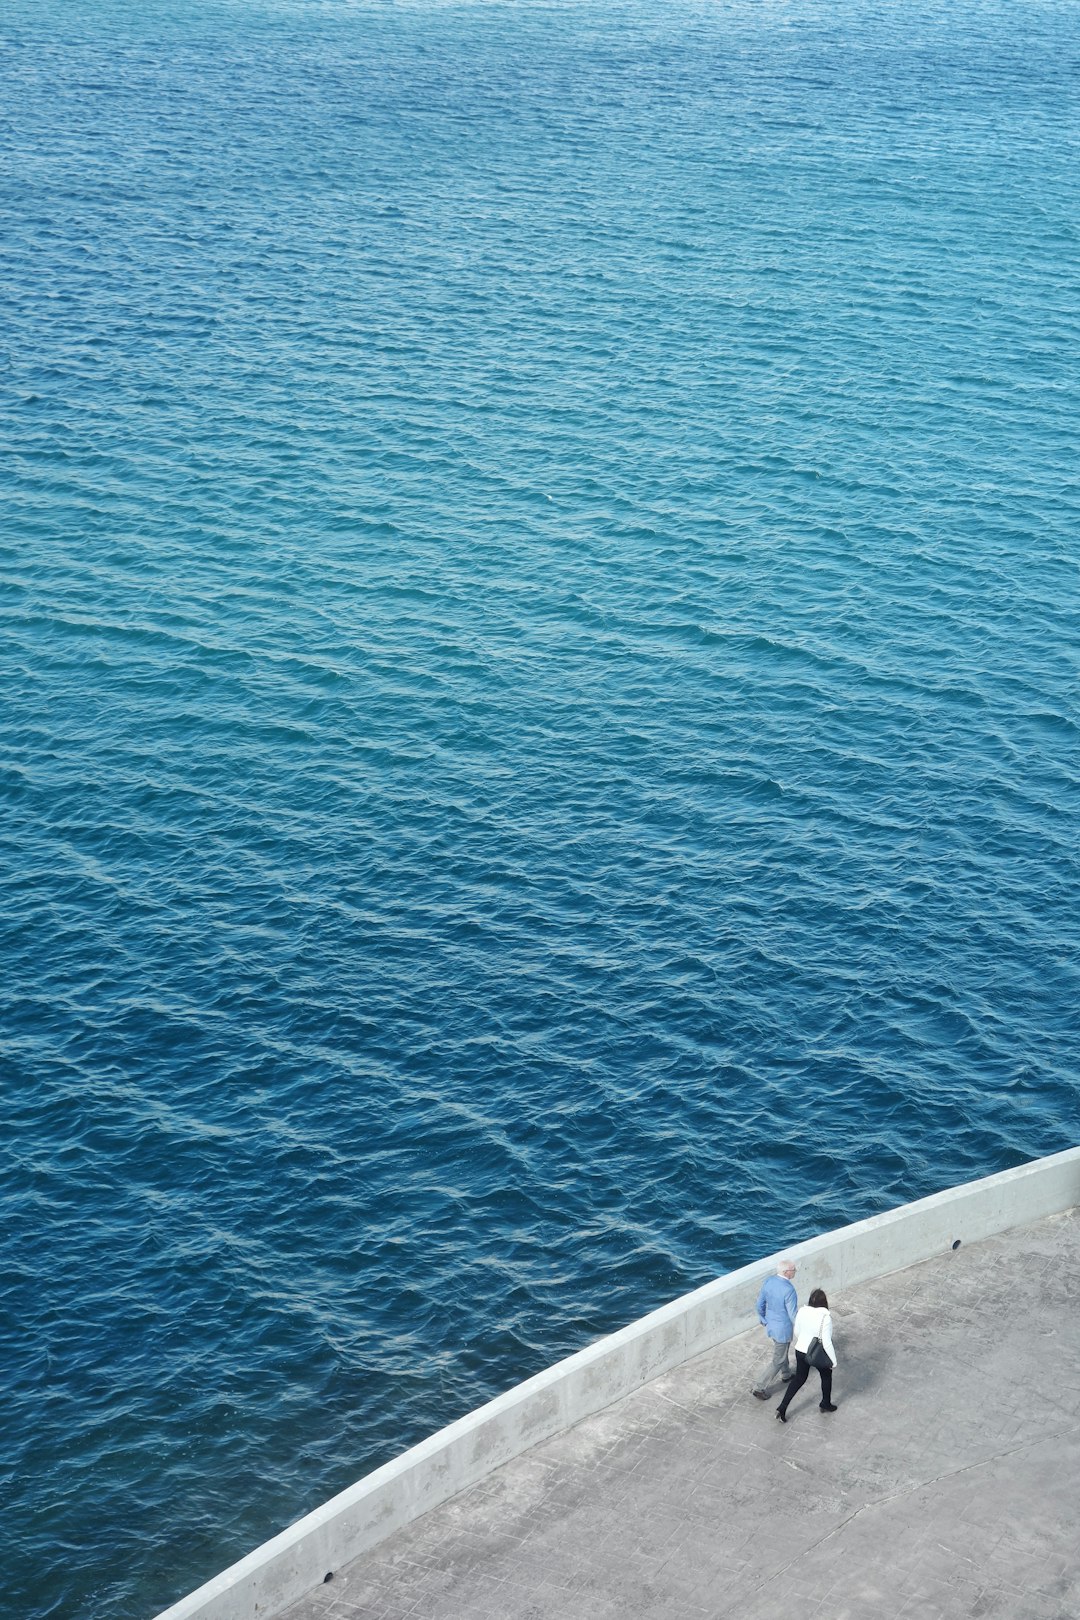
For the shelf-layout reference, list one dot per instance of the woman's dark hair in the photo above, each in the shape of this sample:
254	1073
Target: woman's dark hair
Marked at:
818	1298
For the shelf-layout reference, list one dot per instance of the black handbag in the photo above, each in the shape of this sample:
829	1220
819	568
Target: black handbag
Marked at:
818	1356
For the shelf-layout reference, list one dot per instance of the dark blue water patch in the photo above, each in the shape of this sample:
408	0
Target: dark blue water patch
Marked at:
538	623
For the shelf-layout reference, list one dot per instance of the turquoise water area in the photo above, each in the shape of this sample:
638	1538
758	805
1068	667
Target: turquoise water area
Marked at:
539	674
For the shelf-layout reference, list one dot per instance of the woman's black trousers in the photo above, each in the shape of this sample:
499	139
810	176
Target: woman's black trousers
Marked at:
802	1373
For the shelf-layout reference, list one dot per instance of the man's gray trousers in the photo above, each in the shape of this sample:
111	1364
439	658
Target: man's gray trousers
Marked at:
777	1366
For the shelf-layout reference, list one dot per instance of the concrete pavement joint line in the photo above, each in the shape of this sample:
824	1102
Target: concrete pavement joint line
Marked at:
884	1501
998	1588
789	1462
699	1423
952	1552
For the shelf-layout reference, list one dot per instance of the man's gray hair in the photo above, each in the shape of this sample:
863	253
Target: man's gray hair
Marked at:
787	1264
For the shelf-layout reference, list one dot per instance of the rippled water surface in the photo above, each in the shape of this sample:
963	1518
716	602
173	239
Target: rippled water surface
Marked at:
540	744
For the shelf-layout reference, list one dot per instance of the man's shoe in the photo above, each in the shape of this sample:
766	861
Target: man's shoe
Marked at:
759	1395
824	1408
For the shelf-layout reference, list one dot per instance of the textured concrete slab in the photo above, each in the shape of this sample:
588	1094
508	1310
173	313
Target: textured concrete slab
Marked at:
946	1486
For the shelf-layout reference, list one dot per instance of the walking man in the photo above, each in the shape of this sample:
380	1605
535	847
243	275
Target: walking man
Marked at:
776	1307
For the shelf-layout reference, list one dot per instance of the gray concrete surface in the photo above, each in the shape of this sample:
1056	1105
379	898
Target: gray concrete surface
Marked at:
947	1484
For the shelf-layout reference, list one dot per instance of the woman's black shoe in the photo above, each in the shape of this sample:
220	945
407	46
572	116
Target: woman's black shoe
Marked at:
824	1408
780	1415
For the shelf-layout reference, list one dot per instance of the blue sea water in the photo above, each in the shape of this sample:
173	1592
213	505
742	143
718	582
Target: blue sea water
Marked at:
540	731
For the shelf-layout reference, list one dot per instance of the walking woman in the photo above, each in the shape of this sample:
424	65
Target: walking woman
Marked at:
812	1321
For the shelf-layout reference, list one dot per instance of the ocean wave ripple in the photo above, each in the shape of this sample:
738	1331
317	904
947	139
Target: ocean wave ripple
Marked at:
539	650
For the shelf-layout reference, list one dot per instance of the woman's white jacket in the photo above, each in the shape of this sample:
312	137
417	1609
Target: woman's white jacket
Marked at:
813	1322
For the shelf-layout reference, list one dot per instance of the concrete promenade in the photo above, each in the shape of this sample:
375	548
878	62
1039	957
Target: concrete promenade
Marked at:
947	1484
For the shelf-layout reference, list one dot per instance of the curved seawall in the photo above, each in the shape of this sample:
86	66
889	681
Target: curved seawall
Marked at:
297	1560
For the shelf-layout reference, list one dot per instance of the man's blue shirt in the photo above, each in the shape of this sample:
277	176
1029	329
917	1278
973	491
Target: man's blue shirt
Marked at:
776	1307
